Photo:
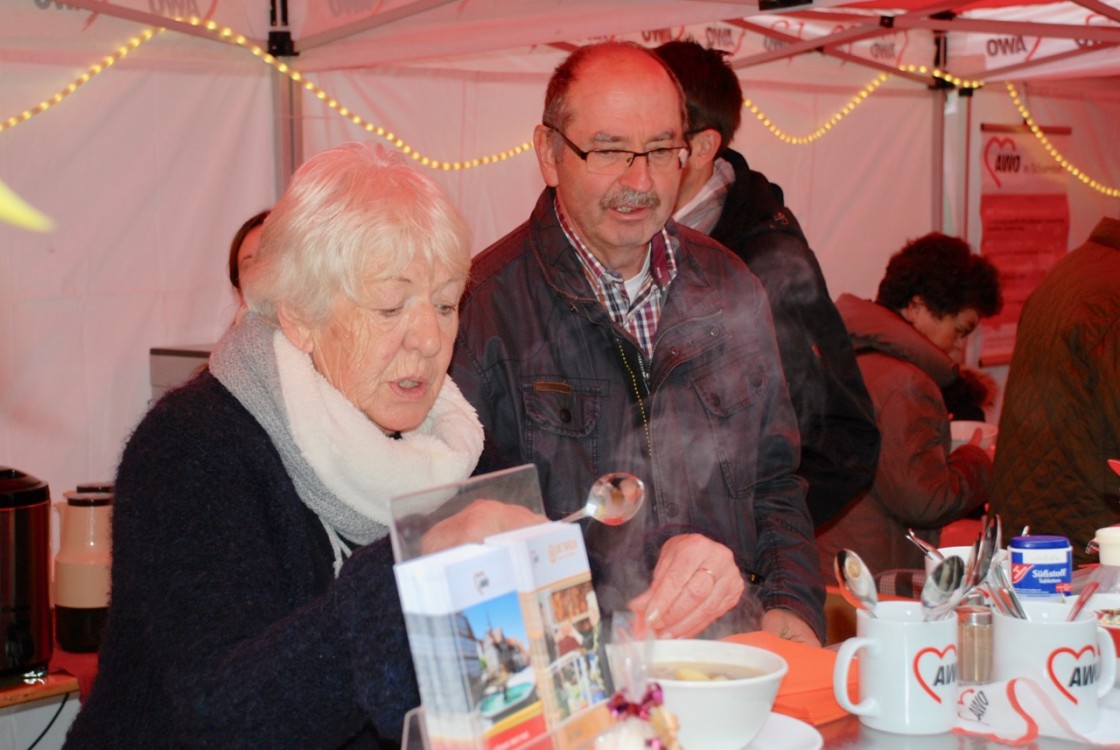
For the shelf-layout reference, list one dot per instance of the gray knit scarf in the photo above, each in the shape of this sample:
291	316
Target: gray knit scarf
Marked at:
344	467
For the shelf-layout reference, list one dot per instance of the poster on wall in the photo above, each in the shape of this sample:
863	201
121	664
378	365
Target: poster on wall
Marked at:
1024	218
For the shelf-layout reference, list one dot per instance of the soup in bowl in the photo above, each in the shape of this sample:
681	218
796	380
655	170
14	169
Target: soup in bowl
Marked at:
721	692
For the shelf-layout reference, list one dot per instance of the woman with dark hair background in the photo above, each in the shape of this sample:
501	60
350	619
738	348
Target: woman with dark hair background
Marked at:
933	295
243	247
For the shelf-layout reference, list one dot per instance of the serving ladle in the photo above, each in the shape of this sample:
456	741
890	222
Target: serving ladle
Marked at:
857	584
613	499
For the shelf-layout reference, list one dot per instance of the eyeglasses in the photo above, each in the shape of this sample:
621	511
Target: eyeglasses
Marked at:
615	161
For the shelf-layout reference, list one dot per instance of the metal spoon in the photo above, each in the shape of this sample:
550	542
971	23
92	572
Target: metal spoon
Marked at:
857	584
613	499
987	552
927	549
1003	588
944	588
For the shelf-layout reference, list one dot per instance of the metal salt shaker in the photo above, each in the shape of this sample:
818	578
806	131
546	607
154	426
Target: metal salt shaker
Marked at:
974	635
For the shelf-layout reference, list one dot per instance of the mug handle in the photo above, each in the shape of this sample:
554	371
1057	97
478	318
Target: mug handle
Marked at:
1108	662
868	706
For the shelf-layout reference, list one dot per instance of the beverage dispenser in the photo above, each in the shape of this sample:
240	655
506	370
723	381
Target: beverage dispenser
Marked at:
25	558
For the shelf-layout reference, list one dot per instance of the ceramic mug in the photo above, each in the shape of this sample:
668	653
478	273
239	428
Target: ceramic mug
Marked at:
907	670
1073	662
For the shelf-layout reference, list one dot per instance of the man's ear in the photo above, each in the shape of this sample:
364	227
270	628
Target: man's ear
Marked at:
705	147
296	332
546	155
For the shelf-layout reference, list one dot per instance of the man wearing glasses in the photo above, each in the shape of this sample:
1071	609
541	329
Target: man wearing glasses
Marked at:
595	338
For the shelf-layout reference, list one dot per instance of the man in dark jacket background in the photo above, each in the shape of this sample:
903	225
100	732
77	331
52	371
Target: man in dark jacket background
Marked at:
722	197
1060	421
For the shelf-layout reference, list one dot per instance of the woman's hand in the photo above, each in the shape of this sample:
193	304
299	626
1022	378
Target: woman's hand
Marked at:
480	519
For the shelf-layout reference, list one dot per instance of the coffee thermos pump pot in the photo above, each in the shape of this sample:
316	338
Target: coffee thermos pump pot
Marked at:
82	567
25	556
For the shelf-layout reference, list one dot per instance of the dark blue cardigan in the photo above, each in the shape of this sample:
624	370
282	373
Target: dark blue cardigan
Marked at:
226	626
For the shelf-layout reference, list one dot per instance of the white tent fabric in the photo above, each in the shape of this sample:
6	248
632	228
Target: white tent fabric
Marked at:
150	166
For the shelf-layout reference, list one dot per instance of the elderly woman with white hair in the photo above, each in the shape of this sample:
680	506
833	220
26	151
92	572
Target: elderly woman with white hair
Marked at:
253	600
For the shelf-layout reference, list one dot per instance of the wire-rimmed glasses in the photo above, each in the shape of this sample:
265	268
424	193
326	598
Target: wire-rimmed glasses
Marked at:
615	161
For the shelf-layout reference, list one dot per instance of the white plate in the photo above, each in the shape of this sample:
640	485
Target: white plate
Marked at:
781	732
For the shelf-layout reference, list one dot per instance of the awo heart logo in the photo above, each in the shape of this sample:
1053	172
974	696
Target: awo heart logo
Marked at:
930	661
1066	670
998	150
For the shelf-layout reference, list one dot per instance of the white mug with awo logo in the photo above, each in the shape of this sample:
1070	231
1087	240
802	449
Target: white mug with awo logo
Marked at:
907	670
1073	662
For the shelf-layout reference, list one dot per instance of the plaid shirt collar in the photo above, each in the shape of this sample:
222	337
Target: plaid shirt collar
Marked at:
663	264
641	315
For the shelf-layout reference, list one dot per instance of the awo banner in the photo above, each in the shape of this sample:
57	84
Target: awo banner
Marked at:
1024	216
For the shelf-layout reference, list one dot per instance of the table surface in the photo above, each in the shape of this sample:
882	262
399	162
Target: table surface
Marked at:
849	734
53	684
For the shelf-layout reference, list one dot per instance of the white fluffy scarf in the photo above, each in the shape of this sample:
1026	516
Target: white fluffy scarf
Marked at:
343	466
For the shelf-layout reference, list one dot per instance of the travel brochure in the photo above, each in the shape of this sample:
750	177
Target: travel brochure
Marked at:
506	642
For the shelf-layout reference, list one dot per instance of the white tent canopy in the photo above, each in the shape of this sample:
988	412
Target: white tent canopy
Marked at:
150	165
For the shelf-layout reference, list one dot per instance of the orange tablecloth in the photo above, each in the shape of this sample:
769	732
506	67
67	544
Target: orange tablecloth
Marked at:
806	691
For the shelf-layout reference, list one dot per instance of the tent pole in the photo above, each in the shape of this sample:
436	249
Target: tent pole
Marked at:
967	151
287	103
287	100
938	171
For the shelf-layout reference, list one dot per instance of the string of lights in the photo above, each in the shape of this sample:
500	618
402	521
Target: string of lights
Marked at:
94	70
943	75
226	34
843	112
855	101
1056	155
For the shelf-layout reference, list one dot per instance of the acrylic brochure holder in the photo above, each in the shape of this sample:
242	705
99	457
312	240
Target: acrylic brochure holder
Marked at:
492	626
416	513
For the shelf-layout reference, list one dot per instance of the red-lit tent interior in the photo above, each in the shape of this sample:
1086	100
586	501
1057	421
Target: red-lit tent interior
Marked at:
149	147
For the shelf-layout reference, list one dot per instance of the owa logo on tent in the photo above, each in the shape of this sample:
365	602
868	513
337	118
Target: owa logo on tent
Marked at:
167	8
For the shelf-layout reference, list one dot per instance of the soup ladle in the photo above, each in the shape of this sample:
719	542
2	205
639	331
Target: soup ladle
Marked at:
857	584
613	499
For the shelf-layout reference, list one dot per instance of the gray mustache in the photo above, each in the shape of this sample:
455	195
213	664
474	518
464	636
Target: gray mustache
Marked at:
627	198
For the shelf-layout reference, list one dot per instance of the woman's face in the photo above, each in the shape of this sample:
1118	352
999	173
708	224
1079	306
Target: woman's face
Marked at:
947	333
389	355
248	251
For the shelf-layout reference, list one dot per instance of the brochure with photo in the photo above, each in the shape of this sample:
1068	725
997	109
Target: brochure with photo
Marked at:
562	616
469	645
